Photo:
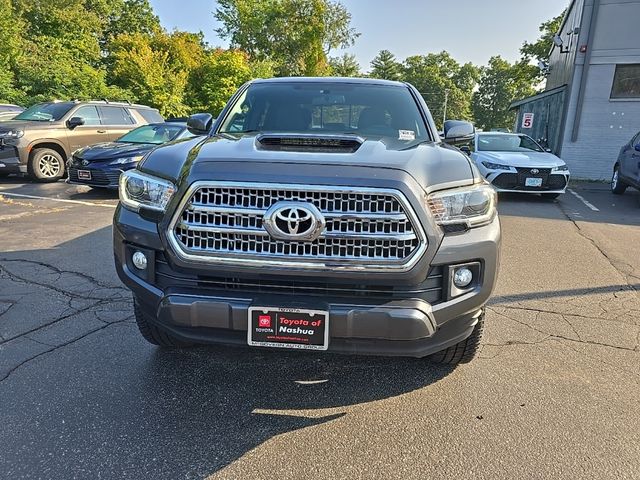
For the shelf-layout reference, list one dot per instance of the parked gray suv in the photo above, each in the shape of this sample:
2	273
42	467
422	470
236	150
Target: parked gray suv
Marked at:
319	214
39	140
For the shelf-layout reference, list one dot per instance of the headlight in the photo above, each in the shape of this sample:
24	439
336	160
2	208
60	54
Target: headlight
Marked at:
122	161
496	166
473	206
12	134
138	190
561	168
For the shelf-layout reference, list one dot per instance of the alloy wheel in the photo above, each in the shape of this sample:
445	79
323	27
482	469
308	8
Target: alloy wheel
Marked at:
614	180
49	166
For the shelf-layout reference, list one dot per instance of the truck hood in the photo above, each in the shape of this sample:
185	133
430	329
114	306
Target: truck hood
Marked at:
520	159
432	165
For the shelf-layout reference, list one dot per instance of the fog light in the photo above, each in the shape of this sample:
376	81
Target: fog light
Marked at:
139	259
462	277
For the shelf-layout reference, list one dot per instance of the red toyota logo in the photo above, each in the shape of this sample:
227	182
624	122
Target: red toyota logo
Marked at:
264	321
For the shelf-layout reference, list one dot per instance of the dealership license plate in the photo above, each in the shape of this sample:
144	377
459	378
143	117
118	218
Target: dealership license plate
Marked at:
288	328
84	174
533	182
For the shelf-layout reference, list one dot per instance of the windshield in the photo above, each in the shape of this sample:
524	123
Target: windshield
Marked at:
154	134
507	143
327	108
45	112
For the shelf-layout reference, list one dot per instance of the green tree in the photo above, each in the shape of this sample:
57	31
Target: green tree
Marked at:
296	35
156	68
500	84
439	78
217	77
385	66
132	16
540	49
345	66
60	53
10	48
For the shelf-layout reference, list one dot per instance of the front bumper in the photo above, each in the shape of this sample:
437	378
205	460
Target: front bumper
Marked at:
504	181
10	160
104	178
205	305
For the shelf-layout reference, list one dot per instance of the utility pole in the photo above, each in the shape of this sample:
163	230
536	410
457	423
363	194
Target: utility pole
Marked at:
446	100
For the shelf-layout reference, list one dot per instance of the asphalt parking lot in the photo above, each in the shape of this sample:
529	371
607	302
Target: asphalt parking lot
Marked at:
554	394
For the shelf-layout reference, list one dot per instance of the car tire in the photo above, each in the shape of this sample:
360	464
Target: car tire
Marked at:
46	165
618	187
550	196
462	352
153	334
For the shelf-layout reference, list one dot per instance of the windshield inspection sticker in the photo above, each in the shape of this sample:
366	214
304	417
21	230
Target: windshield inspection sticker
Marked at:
406	135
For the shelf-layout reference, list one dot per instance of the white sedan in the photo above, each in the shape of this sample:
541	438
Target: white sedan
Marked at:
513	162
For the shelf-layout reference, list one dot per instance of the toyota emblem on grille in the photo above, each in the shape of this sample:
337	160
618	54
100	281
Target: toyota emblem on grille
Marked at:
85	163
300	221
535	171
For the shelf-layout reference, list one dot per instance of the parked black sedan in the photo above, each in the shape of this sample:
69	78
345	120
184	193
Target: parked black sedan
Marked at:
101	165
626	171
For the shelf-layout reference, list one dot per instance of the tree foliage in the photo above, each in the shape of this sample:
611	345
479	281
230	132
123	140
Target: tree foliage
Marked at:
540	49
500	84
385	66
296	35
345	66
438	76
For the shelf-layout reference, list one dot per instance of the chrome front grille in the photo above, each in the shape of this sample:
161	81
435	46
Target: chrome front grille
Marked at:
364	228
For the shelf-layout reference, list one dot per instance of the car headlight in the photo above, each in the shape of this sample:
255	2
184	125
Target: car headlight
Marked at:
12	134
138	190
496	166
122	161
561	168
472	206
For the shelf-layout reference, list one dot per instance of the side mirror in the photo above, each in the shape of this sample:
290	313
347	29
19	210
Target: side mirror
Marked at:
637	147
74	122
200	123
457	132
548	150
465	149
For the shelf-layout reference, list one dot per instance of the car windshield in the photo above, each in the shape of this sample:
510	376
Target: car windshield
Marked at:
45	112
154	134
507	143
327	108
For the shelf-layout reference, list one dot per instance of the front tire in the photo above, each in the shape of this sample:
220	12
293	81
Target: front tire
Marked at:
153	334
46	165
464	351
618	187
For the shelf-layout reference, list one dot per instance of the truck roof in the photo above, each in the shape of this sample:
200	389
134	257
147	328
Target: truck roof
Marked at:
361	81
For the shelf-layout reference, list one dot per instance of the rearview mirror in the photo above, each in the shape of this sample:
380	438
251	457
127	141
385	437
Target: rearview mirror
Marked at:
199	123
74	122
458	131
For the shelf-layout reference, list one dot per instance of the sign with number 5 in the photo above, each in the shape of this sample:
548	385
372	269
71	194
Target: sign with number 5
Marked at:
527	120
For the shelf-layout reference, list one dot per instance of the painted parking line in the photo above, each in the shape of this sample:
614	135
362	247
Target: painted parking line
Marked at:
583	200
62	200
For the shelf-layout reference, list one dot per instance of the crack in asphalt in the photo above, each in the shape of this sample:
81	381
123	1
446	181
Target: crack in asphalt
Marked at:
57	347
593	242
96	302
564	337
13	276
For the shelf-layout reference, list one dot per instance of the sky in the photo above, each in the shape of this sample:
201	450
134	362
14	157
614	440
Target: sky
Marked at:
470	30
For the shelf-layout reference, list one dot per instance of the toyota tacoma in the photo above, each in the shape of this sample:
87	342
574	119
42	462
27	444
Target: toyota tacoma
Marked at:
313	213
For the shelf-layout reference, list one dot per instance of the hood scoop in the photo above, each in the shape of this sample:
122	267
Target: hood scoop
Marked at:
299	142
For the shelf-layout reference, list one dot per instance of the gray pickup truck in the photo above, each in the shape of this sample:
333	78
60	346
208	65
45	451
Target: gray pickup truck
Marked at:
314	213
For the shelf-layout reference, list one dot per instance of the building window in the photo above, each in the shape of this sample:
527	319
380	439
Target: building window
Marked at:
626	81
